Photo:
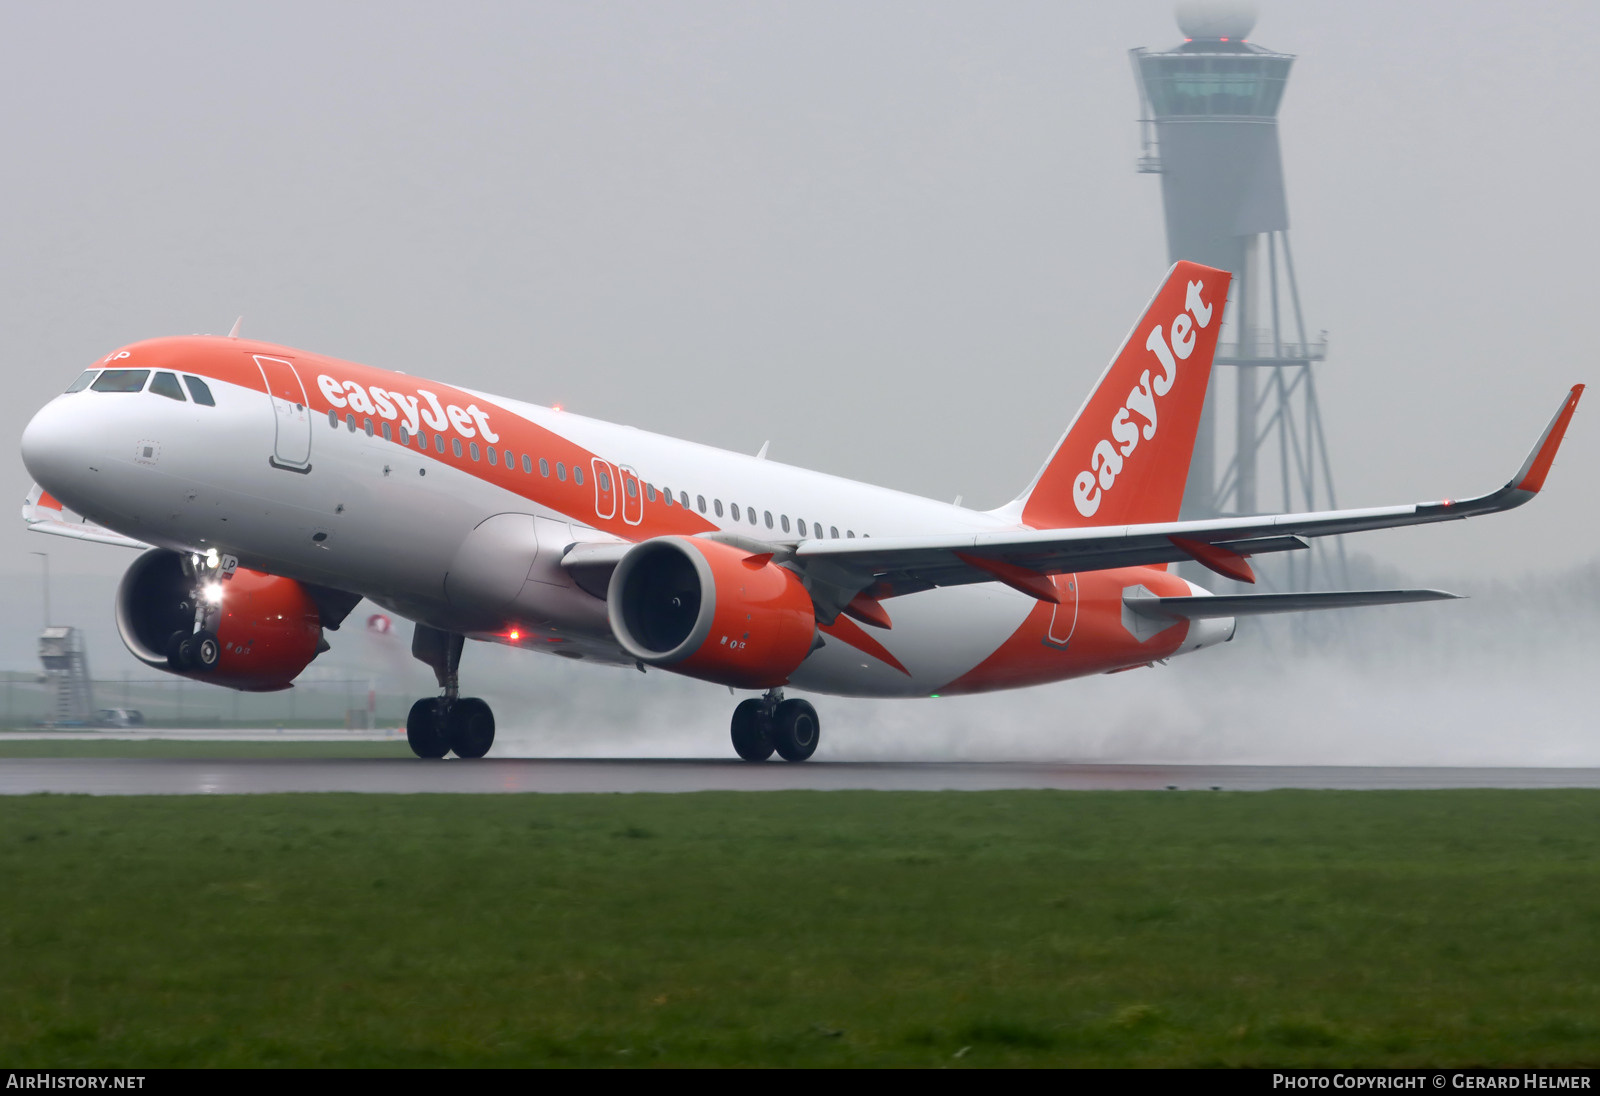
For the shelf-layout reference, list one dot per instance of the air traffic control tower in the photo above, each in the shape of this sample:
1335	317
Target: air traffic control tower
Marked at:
1209	129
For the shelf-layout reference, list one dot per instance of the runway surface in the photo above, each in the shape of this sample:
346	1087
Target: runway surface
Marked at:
163	776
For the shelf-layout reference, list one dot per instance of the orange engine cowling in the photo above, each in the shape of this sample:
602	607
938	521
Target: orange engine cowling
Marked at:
265	628
712	611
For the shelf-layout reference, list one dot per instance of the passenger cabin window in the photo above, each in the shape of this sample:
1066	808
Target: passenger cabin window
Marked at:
717	505
633	488
84	380
650	493
473	448
455	446
666	495
768	516
527	465
834	529
605	482
121	380
701	499
850	534
200	390
683	497
166	384
733	510
366	424
544	467
492	453
386	434
577	475
561	472
405	435
350	421
511	459
816	528
438	443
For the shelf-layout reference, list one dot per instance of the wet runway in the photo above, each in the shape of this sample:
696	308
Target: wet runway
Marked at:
163	776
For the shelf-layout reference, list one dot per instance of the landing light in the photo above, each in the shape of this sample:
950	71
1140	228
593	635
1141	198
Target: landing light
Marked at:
515	635
212	558
212	592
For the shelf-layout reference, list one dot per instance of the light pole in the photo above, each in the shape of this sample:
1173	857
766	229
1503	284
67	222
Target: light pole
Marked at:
45	556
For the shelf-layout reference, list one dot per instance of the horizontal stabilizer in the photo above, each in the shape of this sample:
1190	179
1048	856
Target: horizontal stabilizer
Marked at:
1237	605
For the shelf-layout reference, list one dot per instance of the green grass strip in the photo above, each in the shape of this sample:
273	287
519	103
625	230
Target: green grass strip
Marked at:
802	928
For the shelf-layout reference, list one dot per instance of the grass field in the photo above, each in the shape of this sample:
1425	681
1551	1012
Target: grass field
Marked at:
838	928
197	748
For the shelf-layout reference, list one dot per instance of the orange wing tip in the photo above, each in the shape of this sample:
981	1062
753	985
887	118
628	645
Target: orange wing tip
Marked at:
1224	561
1020	579
1531	478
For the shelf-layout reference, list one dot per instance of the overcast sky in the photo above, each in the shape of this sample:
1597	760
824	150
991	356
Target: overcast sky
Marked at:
900	240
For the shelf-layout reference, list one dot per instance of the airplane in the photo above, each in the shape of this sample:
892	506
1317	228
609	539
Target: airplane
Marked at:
271	489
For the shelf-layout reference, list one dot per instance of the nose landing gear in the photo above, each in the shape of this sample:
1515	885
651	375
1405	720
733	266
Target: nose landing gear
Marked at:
772	724
194	647
436	726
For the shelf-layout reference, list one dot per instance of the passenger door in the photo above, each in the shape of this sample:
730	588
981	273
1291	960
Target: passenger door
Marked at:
291	417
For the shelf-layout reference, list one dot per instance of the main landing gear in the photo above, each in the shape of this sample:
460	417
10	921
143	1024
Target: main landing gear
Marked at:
772	724
438	725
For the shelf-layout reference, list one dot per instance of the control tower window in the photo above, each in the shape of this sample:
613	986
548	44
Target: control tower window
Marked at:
121	380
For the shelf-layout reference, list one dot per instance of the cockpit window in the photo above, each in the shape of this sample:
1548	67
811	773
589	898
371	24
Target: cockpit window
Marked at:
83	380
200	391
121	380
166	384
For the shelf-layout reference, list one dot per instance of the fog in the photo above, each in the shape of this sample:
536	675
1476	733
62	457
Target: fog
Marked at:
899	240
1503	677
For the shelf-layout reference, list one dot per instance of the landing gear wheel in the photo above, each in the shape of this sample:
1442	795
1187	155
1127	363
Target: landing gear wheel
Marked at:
205	651
470	727
177	652
795	730
750	738
425	729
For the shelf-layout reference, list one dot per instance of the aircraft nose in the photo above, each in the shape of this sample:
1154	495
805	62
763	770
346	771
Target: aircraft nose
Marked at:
51	449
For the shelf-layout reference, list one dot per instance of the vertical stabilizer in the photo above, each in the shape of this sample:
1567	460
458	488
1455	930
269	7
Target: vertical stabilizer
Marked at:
1125	458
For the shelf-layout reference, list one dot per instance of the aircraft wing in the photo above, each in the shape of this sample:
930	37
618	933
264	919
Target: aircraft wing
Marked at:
44	514
1023	558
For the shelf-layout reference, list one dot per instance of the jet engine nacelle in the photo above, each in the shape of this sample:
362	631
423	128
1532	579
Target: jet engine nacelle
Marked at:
711	611
265	628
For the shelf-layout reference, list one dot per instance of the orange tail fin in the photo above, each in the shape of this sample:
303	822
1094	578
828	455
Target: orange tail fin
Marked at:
1125	458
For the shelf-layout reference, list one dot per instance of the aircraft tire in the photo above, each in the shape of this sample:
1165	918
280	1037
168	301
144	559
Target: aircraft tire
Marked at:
207	651
177	652
795	730
750	738
470	727
425	730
